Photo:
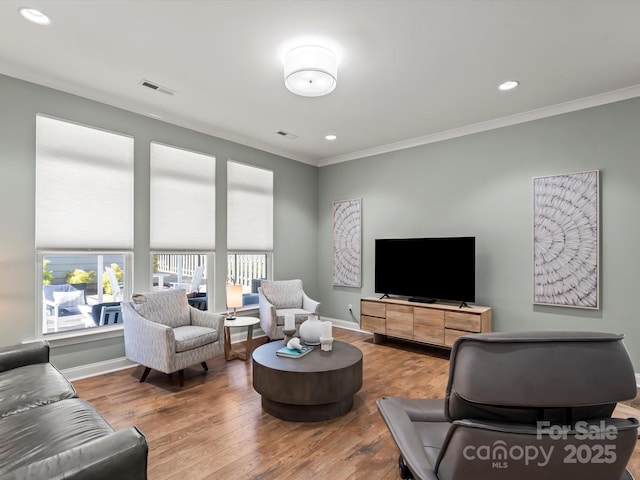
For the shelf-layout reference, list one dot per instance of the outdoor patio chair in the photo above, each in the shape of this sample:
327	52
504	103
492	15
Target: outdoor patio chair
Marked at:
107	313
66	297
115	286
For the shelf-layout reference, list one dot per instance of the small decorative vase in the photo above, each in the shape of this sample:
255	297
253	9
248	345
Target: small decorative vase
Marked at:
310	330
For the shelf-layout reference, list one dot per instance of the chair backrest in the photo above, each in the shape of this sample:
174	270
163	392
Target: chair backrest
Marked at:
106	316
528	376
283	293
196	280
113	281
198	302
168	307
547	395
255	284
110	315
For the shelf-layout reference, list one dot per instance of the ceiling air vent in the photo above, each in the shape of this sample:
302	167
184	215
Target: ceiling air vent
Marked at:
290	136
156	87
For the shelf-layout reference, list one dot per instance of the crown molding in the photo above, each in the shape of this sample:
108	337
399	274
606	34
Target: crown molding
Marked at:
559	109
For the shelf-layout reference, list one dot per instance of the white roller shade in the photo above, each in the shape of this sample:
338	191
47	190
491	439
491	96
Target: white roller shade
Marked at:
249	208
84	187
183	196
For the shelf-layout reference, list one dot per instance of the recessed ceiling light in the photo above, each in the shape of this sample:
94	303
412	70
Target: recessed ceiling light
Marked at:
508	85
35	16
331	137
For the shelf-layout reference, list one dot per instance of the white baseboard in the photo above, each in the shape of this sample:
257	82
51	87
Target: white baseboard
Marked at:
98	368
346	324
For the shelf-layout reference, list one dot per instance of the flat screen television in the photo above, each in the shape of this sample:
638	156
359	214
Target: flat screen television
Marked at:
427	269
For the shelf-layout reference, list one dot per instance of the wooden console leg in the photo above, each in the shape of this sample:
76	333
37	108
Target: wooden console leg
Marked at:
379	338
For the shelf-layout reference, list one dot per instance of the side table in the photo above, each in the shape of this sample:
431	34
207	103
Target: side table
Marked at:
248	322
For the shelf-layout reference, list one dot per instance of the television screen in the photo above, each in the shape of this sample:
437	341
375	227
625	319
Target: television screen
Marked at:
426	269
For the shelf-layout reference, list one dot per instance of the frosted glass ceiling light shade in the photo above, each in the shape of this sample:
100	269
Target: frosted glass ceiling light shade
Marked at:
310	71
35	16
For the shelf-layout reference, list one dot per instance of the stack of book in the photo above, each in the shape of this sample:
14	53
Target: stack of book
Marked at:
291	353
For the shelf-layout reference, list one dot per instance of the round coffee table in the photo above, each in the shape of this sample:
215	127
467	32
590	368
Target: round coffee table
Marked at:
316	387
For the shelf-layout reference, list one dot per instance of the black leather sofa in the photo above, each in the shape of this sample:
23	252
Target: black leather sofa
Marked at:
47	432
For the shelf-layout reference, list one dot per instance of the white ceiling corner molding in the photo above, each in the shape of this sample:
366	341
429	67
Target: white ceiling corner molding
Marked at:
553	110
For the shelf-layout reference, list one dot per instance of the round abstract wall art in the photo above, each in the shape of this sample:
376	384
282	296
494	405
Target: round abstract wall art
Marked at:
566	240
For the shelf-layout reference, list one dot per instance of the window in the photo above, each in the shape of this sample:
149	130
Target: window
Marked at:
248	270
84	220
182	185
76	295
249	227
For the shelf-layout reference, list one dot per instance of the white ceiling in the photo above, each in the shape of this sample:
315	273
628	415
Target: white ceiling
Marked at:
409	72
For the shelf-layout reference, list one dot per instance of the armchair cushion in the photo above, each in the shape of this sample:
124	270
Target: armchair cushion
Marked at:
54	293
189	337
68	299
283	293
299	314
169	308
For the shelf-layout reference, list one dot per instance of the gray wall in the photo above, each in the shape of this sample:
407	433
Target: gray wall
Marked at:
295	206
481	185
475	185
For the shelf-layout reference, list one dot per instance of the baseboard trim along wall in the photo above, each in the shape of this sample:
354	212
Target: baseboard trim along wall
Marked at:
98	368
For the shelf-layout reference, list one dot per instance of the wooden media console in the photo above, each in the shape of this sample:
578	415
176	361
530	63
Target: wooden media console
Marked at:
433	323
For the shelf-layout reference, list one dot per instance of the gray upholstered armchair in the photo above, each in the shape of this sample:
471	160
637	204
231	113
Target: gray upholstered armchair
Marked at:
162	332
277	298
527	406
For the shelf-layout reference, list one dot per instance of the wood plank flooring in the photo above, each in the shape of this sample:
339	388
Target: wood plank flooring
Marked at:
214	427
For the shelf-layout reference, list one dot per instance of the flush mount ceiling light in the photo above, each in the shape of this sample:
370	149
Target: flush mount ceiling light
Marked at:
310	71
331	137
35	16
508	85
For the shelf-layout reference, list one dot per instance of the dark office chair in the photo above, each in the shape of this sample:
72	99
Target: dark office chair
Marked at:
523	406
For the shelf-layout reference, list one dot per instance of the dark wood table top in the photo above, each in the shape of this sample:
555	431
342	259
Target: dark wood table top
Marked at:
341	356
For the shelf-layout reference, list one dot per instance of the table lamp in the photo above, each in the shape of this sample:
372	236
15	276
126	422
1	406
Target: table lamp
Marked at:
234	299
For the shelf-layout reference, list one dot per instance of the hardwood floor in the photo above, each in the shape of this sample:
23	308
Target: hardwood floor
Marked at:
214	427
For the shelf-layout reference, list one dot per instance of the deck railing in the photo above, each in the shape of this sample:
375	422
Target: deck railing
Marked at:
241	268
245	268
171	263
